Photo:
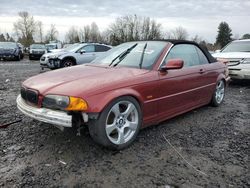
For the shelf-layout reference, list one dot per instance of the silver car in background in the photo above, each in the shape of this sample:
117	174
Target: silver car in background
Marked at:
75	54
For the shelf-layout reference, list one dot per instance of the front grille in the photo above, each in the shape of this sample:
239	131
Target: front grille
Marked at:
29	95
37	52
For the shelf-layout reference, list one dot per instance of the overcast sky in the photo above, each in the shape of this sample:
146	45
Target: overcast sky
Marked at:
200	17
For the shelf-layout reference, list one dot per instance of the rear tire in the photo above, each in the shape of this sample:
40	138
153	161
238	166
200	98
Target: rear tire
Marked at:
118	124
219	93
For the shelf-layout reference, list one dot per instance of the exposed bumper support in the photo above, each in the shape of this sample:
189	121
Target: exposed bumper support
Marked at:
58	118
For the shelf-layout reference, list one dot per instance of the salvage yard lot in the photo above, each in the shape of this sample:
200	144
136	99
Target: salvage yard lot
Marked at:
214	140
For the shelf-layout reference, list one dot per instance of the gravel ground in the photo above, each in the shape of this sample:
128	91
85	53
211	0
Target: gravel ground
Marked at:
214	140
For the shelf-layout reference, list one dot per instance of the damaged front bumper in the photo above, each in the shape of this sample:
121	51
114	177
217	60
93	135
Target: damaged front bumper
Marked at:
54	117
54	63
51	63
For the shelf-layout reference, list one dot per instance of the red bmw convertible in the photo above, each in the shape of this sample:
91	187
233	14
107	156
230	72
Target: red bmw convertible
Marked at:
134	85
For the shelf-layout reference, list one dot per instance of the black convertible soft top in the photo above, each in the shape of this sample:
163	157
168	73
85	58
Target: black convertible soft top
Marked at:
210	58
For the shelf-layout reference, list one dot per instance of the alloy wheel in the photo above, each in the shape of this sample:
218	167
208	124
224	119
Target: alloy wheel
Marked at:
122	122
68	63
220	91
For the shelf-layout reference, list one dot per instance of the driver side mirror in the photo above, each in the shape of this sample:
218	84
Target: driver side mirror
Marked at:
82	51
173	64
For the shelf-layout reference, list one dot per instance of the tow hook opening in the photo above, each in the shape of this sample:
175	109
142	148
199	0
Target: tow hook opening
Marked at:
79	121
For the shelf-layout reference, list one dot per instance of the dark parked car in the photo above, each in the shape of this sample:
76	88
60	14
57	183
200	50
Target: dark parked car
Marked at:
132	86
10	51
36	51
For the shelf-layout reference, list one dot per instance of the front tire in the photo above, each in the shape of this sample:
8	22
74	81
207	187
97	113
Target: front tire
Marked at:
67	63
219	94
118	124
18	58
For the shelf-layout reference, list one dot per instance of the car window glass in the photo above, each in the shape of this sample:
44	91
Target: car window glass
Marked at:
186	52
101	48
89	48
238	46
134	57
8	45
203	58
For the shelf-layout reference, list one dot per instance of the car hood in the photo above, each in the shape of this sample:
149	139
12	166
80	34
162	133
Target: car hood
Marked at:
56	50
232	55
83	80
55	53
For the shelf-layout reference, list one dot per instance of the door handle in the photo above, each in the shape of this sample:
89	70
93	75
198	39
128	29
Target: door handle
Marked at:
201	71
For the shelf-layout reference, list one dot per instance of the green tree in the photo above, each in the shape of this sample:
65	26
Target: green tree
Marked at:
2	38
246	36
224	34
9	38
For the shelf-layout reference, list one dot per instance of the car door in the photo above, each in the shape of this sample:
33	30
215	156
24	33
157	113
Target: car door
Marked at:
181	89
208	77
86	54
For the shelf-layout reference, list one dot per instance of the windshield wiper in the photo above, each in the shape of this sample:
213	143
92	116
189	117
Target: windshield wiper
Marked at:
142	55
122	55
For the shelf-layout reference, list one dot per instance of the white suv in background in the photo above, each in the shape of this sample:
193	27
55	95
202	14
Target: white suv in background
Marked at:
237	53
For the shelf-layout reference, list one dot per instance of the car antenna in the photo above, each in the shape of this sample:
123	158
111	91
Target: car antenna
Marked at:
142	55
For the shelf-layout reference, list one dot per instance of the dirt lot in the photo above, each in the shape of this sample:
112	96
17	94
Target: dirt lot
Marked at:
213	140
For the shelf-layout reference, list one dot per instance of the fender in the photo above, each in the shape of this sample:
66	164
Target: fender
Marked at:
223	74
97	103
68	57
221	77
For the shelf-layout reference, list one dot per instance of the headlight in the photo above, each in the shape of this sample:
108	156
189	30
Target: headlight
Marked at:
64	103
245	61
30	51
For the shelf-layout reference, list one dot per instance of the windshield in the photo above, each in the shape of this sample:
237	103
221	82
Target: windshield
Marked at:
73	47
51	46
8	45
37	46
242	46
133	57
